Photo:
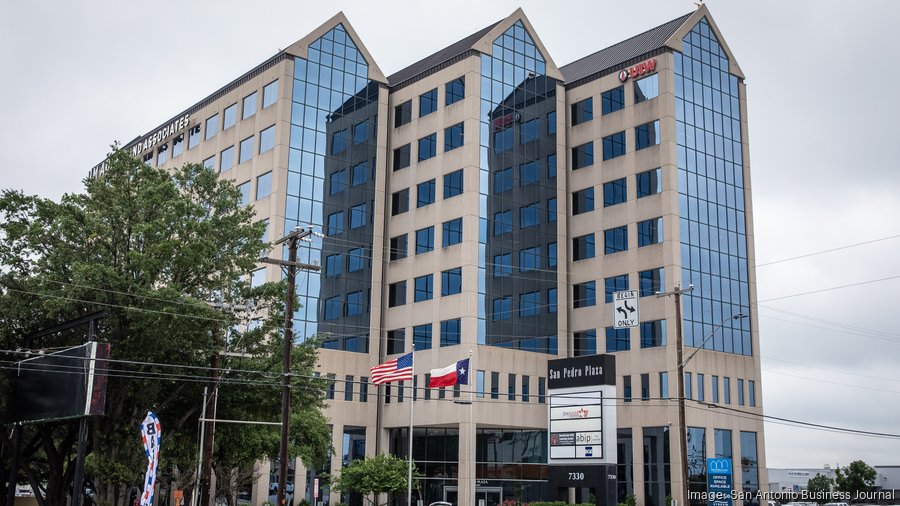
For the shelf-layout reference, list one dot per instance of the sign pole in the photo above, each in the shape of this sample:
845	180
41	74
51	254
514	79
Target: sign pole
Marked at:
410	451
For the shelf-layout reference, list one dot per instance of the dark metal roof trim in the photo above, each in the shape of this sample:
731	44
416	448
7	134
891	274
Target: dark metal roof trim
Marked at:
434	70
616	68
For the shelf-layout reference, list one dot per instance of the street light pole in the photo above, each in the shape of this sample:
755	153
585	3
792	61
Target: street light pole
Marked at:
292	239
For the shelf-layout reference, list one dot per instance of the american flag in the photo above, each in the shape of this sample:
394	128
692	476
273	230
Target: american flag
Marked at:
398	369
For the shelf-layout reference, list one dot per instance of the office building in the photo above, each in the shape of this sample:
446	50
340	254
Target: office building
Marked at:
486	201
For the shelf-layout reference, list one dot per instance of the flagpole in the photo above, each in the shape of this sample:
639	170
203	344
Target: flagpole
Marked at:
410	451
474	445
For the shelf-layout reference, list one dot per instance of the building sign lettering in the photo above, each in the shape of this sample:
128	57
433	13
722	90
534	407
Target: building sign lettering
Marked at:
638	70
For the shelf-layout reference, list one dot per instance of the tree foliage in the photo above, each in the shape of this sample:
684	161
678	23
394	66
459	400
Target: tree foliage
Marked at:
371	476
856	478
820	485
153	249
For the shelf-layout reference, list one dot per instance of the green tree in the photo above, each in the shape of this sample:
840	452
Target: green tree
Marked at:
820	484
372	476
856	478
153	249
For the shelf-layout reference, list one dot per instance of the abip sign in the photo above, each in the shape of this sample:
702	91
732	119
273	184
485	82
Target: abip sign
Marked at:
638	70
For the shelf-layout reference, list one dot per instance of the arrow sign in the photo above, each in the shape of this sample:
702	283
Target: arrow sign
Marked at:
625	309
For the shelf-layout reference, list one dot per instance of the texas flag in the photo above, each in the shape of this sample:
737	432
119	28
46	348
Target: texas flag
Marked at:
453	374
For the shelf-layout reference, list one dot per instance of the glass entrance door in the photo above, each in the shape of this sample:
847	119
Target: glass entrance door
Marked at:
492	496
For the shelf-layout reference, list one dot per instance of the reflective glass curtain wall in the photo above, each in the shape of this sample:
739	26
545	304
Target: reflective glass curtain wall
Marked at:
331	186
517	208
711	193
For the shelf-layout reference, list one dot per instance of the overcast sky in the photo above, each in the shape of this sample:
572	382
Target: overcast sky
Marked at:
823	149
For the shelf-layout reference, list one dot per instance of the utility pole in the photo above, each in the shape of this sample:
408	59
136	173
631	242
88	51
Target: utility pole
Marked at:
292	265
682	424
210	429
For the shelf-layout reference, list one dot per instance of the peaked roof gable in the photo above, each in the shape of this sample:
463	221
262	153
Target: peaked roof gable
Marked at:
676	39
301	47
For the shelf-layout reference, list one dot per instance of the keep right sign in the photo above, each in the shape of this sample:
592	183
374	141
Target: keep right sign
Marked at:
625	309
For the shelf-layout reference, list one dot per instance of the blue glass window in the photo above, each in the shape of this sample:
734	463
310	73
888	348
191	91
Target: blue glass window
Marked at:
263	185
424	288
358	216
427	147
270	93
530	215
551	300
551	209
359	174
267	139
340	141
422	337
583	247
503	180
400	202
585	342
651	282
617	339
450	332
530	259
246	150
451	281
646	135
357	259
249	106
614	192
194	137
529	304
502	265
334	308
613	100
335	223
646	88
244	188
453	184
529	130
503	140
584	294
502	222
650	232
615	239
551	254
613	145
583	201
455	90
582	111
401	157
551	165
360	132
356	303
424	240
403	113
210	162
615	284
653	334
226	159
502	308
425	193
212	126
452	232
649	183
583	156
399	245
529	173
334	265
551	122
229	116
453	137
428	102
397	294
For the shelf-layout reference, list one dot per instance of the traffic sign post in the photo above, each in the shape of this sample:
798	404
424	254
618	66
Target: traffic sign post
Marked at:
625	309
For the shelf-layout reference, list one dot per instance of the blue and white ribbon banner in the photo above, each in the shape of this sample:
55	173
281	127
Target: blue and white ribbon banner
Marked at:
151	434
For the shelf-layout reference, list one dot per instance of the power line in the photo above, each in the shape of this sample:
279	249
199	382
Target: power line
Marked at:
827	251
829	289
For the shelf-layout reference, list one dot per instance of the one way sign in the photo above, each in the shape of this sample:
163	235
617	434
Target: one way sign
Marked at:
625	314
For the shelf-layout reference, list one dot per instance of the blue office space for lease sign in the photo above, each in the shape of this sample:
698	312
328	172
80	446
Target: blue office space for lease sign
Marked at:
719	482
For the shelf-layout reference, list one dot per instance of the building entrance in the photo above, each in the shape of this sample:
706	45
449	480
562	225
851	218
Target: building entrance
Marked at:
492	496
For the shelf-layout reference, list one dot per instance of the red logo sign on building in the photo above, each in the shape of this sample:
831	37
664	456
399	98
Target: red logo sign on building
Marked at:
638	70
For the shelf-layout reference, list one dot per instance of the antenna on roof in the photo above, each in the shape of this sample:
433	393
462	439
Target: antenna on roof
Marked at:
699	4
